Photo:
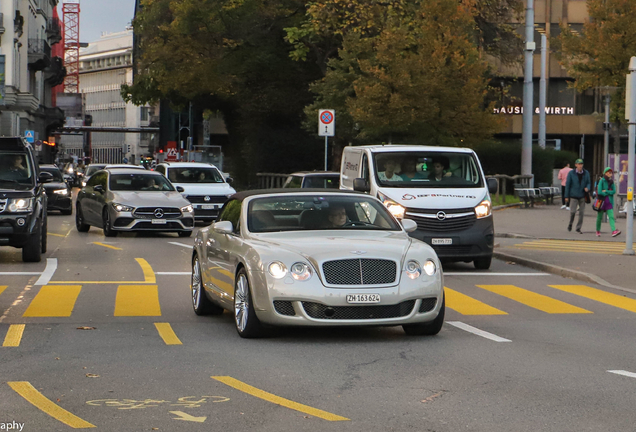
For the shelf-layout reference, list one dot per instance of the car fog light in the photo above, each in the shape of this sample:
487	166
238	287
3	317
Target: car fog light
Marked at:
413	269
277	269
21	222
430	268
300	271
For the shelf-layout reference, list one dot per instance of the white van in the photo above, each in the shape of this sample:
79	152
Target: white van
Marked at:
443	189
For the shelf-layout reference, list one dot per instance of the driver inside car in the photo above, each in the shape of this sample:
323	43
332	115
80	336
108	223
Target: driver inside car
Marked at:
337	217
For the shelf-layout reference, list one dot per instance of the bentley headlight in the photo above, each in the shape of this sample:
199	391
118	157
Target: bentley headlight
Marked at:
300	271
187	209
430	268
20	204
413	269
277	269
396	209
122	208
483	210
61	192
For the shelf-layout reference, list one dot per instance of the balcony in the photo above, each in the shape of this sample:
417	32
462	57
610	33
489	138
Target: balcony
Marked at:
39	53
54	30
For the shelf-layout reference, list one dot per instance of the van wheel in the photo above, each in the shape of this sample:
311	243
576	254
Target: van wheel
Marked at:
483	263
32	251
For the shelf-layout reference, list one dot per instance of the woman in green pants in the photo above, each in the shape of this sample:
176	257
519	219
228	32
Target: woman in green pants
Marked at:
606	191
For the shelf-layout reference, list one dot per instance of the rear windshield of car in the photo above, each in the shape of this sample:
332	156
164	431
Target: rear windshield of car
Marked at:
316	212
195	175
322	182
16	170
55	172
92	169
139	182
427	169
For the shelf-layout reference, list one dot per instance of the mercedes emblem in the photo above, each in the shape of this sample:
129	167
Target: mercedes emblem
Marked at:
158	213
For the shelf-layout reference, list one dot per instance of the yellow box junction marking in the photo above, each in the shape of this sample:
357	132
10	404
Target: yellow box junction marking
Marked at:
612	248
107	246
466	305
37	399
54	301
56	235
149	275
607	298
167	334
245	388
534	300
2	288
14	335
137	300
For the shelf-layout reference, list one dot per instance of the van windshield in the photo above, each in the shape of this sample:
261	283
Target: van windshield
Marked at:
427	169
15	170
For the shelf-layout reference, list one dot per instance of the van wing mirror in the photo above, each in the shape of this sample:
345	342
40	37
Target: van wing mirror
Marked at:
361	185
223	227
493	185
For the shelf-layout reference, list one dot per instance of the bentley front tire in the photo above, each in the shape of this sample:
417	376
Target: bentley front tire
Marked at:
429	328
247	323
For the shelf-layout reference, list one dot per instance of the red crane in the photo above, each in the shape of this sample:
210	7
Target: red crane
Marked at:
71	15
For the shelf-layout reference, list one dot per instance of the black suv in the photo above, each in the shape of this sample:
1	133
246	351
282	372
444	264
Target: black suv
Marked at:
22	199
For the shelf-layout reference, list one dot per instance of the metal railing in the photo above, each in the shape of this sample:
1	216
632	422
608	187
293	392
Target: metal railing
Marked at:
271	180
38	46
502	182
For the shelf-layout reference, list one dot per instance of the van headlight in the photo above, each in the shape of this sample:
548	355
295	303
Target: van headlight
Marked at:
16	205
413	269
394	208
277	269
484	209
300	271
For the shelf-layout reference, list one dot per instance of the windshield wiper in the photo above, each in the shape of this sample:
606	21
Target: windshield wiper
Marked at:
9	181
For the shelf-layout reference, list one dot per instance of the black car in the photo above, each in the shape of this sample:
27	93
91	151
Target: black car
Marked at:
58	191
23	200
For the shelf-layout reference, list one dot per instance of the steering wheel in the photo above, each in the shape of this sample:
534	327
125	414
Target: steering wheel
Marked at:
356	223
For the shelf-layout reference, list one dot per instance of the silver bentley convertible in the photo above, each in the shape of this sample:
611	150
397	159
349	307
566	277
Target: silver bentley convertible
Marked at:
318	258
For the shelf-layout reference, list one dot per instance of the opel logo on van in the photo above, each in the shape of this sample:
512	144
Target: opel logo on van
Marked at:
441	216
158	213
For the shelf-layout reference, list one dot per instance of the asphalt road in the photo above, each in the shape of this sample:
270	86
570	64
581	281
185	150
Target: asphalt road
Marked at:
102	334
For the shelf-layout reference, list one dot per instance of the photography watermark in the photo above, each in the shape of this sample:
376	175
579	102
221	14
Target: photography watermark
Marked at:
11	426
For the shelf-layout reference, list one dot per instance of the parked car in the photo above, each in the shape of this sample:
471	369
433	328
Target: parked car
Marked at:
121	199
23	201
313	179
203	184
315	258
58	192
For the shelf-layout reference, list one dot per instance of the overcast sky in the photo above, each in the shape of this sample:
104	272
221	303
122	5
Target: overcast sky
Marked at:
99	16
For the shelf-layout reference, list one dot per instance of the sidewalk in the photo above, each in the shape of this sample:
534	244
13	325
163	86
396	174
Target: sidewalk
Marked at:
538	238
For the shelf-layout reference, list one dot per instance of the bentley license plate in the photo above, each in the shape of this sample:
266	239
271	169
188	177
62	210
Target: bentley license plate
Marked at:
363	298
159	221
208	207
442	241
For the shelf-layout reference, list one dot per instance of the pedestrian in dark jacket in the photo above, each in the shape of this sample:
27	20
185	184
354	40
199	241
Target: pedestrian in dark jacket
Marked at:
577	186
605	191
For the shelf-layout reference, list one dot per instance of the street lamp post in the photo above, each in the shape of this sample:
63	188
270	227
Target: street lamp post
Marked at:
631	112
528	108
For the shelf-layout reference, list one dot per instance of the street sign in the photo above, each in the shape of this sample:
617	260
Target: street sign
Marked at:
326	122
38	145
30	136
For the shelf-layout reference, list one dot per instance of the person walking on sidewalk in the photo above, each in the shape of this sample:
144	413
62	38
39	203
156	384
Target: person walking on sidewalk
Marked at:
577	187
563	175
605	192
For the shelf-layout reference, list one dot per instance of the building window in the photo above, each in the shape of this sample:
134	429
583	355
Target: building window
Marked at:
144	113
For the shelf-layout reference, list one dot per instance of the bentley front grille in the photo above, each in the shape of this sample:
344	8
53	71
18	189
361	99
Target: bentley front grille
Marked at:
428	304
284	307
321	311
360	271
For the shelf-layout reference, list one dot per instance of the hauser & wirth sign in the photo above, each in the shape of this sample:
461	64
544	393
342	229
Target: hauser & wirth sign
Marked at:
512	110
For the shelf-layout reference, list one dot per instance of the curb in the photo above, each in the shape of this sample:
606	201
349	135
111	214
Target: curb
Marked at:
505	206
559	271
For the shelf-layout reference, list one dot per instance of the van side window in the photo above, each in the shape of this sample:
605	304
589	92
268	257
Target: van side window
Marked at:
365	167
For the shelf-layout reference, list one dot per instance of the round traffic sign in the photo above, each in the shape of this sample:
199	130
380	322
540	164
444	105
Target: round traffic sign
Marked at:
326	117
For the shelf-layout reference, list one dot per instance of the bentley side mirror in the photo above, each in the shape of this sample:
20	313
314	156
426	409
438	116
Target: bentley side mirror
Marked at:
361	185
493	185
45	177
409	225
223	227
98	188
180	189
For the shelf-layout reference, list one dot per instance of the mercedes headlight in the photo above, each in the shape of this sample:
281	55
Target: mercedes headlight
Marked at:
187	209
413	269
484	209
122	208
20	204
300	271
277	269
429	267
394	208
61	191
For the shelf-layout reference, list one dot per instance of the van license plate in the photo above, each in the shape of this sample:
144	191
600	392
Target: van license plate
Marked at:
159	221
442	241
363	298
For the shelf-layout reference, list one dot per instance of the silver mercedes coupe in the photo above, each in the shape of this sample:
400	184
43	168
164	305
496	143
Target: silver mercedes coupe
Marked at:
315	258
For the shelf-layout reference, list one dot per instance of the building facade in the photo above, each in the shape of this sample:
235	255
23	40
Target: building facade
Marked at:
28	71
104	66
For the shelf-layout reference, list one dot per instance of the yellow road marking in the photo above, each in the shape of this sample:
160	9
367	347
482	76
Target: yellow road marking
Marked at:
100	282
54	301
466	305
574	250
149	274
137	300
167	334
14	335
246	388
37	399
107	246
534	300
600	296
56	235
2	288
